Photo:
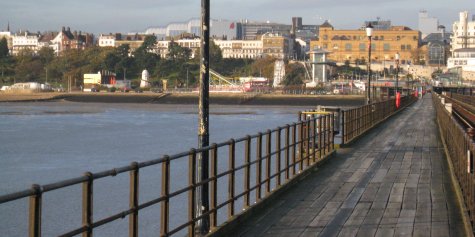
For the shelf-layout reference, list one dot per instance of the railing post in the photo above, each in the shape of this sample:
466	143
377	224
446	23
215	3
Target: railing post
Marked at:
214	185
300	142
287	152
294	147
314	139
308	138
247	172
165	204
134	200
268	159
343	126
192	192
231	164
259	166
278	155
87	202
34	229
320	137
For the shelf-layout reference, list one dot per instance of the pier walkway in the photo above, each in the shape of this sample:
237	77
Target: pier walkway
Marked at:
394	181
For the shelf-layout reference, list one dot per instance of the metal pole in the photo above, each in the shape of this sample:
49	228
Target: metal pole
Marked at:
369	71
397	75
203	135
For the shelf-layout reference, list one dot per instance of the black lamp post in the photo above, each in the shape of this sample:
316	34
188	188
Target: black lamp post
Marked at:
396	56
369	33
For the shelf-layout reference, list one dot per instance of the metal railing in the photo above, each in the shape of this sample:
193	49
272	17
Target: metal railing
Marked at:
281	154
357	121
461	148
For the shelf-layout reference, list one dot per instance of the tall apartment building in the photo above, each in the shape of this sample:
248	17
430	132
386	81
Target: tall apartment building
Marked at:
463	33
277	45
352	45
463	44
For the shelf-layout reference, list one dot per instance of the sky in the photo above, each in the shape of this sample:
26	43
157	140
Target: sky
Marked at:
110	16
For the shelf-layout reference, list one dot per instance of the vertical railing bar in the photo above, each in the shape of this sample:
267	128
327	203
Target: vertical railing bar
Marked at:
278	156
192	192
134	200
247	172
294	147
34	226
87	201
314	139
287	152
214	185
259	166
231	182
320	137
268	160
165	204
308	138
300	142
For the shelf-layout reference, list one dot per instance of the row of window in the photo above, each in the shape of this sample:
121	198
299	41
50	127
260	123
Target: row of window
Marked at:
364	47
360	37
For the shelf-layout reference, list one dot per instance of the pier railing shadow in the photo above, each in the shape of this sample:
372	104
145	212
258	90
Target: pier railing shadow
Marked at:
243	173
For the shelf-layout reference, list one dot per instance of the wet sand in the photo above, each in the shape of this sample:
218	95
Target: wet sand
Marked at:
190	98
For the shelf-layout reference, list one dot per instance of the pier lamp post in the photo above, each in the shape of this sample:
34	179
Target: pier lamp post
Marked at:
396	57
369	33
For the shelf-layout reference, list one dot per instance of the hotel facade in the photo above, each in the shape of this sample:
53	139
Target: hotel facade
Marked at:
352	45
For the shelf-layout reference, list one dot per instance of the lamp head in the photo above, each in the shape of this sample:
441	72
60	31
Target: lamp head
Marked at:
369	30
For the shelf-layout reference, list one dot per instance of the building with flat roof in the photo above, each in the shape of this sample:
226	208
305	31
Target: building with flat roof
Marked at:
222	29
352	45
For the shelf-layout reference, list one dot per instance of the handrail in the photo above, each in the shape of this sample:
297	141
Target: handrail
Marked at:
357	121
281	154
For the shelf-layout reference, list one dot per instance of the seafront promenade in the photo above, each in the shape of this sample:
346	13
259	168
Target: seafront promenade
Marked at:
394	181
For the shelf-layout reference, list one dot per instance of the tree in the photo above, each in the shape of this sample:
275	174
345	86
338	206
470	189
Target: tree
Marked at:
295	74
178	53
4	52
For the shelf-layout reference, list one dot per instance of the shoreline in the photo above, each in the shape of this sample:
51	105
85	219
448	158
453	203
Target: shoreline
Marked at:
189	98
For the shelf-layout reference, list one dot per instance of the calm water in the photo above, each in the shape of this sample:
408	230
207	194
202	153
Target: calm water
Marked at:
47	142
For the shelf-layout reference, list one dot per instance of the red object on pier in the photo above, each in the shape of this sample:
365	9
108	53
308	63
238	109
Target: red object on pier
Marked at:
398	99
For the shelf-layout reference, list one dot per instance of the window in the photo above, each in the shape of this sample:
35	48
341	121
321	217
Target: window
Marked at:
408	47
362	46
386	47
414	37
381	37
325	37
398	37
373	46
347	47
403	47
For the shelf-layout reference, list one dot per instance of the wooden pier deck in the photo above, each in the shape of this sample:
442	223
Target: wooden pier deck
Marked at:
395	181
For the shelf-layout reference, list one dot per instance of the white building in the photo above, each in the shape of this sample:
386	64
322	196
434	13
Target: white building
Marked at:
106	40
428	25
25	41
240	48
463	33
463	58
219	29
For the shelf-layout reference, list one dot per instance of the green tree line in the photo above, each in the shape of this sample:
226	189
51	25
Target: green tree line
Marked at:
178	66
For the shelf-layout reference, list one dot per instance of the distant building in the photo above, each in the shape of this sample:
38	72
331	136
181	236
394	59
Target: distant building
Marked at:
222	29
428	25
438	48
240	48
463	33
277	45
352	45
66	40
253	30
25	41
378	24
464	59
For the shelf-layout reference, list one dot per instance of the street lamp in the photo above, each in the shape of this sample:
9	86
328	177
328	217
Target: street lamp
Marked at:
396	56
369	33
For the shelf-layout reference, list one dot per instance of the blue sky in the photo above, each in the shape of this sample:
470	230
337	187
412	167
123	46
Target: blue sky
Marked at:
104	16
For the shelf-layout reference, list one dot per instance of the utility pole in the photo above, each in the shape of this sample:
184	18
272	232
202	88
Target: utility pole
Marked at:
202	194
